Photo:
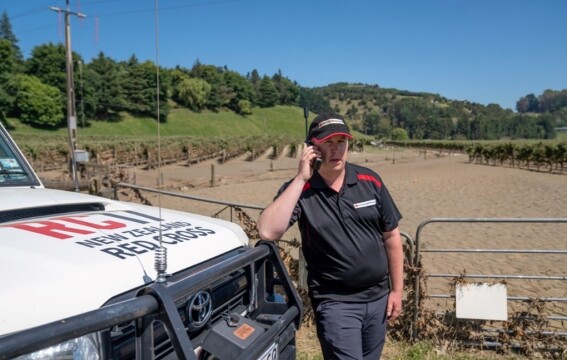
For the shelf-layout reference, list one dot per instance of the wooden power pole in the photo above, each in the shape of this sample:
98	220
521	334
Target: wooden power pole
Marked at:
71	111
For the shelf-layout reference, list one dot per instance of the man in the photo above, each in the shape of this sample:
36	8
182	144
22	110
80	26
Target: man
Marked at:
350	240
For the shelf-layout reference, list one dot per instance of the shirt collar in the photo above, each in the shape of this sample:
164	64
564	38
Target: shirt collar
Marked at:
317	181
350	178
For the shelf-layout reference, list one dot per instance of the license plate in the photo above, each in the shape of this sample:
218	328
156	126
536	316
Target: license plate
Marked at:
271	353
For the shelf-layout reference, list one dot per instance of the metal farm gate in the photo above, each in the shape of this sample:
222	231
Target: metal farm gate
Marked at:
526	256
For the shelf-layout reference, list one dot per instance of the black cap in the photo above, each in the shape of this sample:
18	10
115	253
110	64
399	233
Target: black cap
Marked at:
326	125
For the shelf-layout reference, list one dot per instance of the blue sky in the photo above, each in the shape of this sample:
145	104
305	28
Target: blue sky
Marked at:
484	51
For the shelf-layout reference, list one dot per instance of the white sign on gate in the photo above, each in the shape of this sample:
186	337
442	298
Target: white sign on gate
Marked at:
482	301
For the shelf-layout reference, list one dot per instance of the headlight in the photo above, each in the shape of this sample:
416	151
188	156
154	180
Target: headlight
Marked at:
86	347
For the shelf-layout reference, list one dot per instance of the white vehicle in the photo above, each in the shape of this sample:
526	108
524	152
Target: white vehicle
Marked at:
81	279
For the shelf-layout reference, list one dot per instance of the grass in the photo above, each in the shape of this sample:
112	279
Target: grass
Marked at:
308	349
270	121
279	120
561	135
424	350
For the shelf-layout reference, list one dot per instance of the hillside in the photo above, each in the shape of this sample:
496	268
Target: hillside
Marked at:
186	137
377	112
369	109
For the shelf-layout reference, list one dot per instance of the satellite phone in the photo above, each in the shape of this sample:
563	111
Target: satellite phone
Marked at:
315	163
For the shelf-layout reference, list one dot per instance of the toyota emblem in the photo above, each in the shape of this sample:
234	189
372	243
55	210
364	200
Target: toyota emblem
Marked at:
199	309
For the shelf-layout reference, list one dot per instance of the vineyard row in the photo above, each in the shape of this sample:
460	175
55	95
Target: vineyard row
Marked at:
539	155
52	153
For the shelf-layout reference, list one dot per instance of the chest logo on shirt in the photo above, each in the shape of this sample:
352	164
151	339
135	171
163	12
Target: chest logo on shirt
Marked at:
365	204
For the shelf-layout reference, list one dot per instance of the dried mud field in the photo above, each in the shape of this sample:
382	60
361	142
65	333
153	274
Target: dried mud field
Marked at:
425	186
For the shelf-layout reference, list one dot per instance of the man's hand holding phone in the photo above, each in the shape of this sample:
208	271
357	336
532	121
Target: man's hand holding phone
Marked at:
316	162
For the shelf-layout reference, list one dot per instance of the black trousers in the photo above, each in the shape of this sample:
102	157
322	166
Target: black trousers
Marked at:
348	330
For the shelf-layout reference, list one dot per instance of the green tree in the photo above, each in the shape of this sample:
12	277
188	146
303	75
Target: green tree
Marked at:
6	33
399	134
192	93
546	125
7	59
239	88
255	79
268	93
528	103
6	102
352	113
212	75
440	124
47	63
7	65
135	84
141	91
36	103
462	128
313	100
384	129
288	91
414	114
84	94
244	107
370	122
104	96
561	117
549	101
533	103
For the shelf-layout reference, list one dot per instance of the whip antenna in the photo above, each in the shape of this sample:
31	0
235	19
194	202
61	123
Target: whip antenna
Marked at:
160	263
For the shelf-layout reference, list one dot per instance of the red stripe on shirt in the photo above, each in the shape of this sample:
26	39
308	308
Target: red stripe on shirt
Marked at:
306	187
369	178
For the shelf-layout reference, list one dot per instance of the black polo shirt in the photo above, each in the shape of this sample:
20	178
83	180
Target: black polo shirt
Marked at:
342	235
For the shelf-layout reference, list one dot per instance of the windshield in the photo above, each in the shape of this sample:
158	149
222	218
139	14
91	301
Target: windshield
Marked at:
14	170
